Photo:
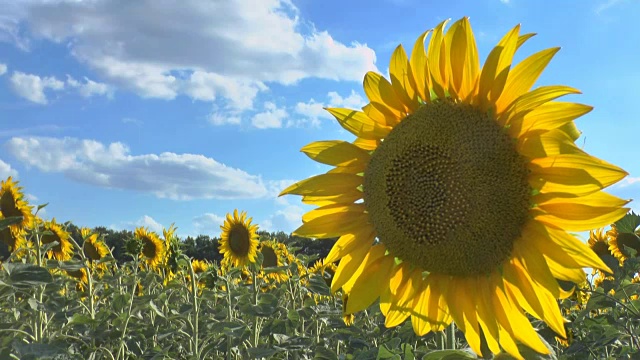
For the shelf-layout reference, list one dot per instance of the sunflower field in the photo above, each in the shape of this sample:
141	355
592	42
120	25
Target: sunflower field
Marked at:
458	210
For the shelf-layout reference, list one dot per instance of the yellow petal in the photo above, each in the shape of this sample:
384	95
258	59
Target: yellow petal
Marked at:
532	100
540	302
342	209
596	199
576	174
375	252
419	68
379	90
534	263
548	116
419	315
380	114
435	56
523	38
326	185
553	142
439	314
496	69
366	144
337	153
561	246
522	77
486	317
400	301
463	311
464	59
370	284
348	242
571	130
332	225
561	272
578	217
333	199
359	124
348	265
402	79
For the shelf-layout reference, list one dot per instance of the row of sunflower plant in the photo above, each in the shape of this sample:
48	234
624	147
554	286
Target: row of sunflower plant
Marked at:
70	299
456	210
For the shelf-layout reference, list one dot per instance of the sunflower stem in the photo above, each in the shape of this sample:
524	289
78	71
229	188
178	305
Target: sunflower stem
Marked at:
229	315
451	337
255	303
194	294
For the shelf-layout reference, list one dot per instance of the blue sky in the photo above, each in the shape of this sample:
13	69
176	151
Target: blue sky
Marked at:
146	113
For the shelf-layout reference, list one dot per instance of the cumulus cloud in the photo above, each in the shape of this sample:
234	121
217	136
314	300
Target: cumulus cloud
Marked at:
6	170
32	87
218	118
204	50
272	117
208	224
3	69
145	221
313	111
166	175
89	88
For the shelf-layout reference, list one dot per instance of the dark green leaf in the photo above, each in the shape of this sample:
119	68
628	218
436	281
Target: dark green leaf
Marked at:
4	223
629	223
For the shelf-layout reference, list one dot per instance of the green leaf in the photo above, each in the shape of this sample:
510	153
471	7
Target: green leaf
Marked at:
629	223
4	223
385	353
80	319
407	350
293	315
27	275
318	285
322	353
261	352
449	355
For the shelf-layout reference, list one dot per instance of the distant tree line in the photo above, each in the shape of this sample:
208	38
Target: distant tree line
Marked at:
201	247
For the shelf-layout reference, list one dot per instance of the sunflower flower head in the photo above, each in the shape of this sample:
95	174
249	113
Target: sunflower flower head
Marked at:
13	203
239	240
274	254
623	244
13	236
153	250
94	248
461	189
53	231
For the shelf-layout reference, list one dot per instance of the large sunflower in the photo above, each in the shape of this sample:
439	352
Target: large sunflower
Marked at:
153	250
454	201
54	232
13	236
12	202
239	241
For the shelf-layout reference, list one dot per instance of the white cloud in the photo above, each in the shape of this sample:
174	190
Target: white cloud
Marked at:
628	181
89	88
606	5
3	69
145	221
208	224
6	171
32	87
218	119
166	175
130	120
272	117
504	1
202	49
313	111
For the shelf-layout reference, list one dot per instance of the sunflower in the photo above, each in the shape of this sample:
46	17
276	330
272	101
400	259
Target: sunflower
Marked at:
619	241
94	248
54	232
239	241
12	202
455	200
348	318
274	254
13	236
153	250
326	270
